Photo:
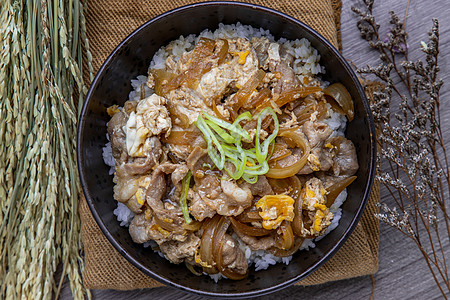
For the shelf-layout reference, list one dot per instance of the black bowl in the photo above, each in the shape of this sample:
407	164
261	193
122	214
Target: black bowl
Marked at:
112	85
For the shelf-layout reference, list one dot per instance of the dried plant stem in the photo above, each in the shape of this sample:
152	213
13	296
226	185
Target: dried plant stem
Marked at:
411	140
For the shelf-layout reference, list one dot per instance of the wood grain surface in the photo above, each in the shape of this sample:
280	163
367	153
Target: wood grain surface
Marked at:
402	273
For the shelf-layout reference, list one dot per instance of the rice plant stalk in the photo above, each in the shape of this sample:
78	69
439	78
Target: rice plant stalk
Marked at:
40	68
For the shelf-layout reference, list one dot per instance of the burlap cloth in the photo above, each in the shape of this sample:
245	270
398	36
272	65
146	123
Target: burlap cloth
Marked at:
108	23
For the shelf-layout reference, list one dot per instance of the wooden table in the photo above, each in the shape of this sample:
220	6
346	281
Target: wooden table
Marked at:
402	273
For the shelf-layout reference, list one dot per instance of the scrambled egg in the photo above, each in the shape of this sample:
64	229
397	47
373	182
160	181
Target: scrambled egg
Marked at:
151	118
242	56
314	162
275	209
112	110
313	196
215	82
140	196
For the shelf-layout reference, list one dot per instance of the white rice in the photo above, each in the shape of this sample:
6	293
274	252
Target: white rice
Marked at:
337	122
138	84
306	58
124	214
306	63
108	157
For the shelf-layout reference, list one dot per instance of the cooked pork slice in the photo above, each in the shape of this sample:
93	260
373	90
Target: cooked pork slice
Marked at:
260	188
194	157
262	243
320	159
261	45
233	257
345	162
242	195
116	134
138	229
178	174
317	133
224	196
142	165
288	80
126	185
144	227
198	208
156	191
328	179
177	251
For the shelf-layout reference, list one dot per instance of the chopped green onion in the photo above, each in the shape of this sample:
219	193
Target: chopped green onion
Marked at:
224	145
222	133
252	179
262	150
235	127
244	116
259	169
238	162
183	199
210	137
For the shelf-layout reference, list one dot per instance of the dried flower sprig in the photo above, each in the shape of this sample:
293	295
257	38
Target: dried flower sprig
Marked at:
412	161
40	68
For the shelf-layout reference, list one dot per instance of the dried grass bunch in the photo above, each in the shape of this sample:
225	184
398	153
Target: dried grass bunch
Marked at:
412	162
41	92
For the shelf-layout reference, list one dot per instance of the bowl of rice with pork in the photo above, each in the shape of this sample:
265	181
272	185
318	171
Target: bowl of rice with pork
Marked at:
231	157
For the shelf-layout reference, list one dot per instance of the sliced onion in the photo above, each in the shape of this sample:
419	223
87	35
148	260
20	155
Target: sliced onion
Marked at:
221	53
181	137
245	91
206	244
309	107
286	171
175	113
248	230
285	253
192	269
218	241
161	76
290	186
289	96
248	216
199	64
219	234
297	223
280	151
171	227
217	244
217	112
263	95
337	188
230	274
294	94
193	226
339	93
285	240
